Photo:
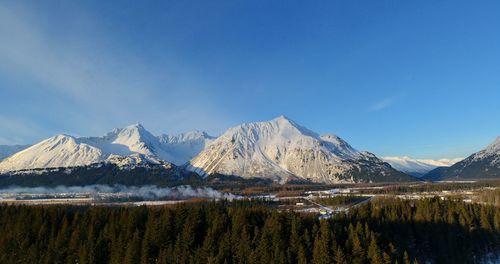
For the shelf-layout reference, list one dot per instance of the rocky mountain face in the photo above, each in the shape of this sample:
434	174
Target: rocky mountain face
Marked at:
480	165
283	151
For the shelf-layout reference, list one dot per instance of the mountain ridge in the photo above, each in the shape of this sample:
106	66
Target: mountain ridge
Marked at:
418	167
282	150
133	142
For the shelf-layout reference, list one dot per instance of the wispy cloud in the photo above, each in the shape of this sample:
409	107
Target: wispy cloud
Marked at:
99	87
382	104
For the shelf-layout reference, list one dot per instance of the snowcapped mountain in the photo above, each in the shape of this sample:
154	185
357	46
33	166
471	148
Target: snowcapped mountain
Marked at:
129	146
482	164
418	167
57	151
282	150
7	150
279	149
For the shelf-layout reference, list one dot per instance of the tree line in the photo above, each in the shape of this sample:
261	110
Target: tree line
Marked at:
383	231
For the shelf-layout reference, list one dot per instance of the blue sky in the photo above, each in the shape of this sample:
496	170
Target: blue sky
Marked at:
416	78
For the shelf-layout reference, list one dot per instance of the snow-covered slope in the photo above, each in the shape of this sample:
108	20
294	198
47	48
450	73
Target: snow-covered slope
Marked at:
282	150
482	164
7	150
131	145
133	139
57	151
186	145
491	151
418	167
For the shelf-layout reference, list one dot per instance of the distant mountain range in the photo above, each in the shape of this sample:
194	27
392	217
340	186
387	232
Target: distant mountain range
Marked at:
278	150
418	167
124	146
484	164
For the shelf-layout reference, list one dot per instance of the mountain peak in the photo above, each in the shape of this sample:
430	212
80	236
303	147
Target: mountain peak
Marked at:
57	151
281	129
61	138
281	150
135	130
136	126
194	134
282	118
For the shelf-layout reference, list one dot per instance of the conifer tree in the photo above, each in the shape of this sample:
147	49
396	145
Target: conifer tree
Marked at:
132	254
406	258
358	252
339	256
374	251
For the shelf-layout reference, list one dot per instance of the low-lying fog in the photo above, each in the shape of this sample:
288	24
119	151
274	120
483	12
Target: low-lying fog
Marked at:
149	192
